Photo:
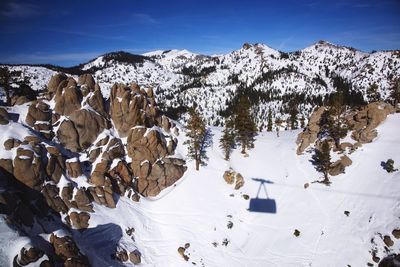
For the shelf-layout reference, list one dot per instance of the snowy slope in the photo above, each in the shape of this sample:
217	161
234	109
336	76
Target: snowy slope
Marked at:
180	77
198	209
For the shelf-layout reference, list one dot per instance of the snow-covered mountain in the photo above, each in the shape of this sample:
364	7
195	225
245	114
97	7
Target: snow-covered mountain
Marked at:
278	81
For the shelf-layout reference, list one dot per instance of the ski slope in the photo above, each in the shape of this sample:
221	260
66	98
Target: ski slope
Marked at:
199	207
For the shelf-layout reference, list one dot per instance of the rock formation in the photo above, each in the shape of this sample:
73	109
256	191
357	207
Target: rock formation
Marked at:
71	141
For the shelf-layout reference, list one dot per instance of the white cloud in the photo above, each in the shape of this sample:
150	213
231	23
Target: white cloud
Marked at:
19	10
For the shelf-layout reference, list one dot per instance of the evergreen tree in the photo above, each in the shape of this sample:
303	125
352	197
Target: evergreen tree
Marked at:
5	82
302	122
227	141
293	118
395	91
373	93
269	125
244	124
332	122
322	160
198	138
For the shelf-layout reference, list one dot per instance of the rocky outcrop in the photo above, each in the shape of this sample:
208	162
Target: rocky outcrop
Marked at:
54	82
66	249
310	133
68	97
365	121
72	157
31	255
39	118
150	163
28	168
232	177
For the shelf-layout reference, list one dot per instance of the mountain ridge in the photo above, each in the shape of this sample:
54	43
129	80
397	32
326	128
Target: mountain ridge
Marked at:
276	81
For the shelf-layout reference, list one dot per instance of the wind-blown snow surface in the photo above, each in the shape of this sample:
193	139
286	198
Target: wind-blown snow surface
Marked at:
198	209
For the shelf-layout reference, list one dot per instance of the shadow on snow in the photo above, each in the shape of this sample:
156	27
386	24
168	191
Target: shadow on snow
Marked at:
265	205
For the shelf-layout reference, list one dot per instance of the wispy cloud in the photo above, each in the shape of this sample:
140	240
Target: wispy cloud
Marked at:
12	9
55	58
282	45
87	34
144	18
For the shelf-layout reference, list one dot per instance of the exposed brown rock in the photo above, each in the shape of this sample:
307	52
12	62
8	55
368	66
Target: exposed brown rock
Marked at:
239	181
181	251
55	82
28	168
367	119
310	133
79	220
67	250
396	233
68	136
51	193
96	101
98	175
4	116
11	143
88	126
388	241
135	257
27	256
73	168
125	106
231	177
68	98
87	83
82	200
339	166
55	164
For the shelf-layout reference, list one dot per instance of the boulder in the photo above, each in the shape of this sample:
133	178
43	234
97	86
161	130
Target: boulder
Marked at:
96	101
54	82
232	177
68	136
339	166
87	83
28	168
28	256
53	199
135	257
11	143
68	99
55	165
125	108
79	220
98	175
88	126
73	168
82	200
4	116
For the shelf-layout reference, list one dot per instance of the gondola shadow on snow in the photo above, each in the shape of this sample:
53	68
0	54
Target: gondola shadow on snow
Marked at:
263	205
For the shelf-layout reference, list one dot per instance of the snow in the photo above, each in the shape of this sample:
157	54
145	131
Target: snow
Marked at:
198	208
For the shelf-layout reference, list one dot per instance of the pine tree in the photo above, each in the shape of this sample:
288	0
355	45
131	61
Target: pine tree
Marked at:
373	93
5	80
198	139
302	122
244	124
227	141
293	118
332	122
322	160
269	125
395	91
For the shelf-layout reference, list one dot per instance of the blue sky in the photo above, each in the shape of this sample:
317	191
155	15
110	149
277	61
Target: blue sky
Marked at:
72	32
